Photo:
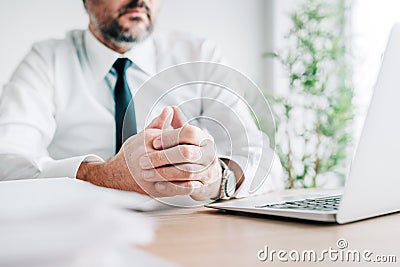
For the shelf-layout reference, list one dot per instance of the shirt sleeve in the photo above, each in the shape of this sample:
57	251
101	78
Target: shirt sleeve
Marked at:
27	123
236	135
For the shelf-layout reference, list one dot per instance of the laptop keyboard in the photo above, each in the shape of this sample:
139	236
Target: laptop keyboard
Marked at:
330	203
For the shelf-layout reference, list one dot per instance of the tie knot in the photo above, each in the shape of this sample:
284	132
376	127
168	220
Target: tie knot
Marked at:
121	65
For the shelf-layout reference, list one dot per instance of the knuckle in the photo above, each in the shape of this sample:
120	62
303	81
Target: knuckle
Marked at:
167	190
210	158
204	179
176	188
196	185
189	187
169	140
152	158
156	158
197	154
160	172
190	174
208	142
188	168
149	133
191	169
190	131
191	153
186	152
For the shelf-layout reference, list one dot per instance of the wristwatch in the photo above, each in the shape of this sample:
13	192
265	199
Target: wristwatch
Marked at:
228	182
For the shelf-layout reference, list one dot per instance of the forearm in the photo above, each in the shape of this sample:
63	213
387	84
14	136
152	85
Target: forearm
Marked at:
93	172
100	173
112	174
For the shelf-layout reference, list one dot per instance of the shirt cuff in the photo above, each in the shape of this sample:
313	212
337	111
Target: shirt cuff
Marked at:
50	168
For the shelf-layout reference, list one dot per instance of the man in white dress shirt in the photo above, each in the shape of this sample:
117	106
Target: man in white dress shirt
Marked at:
58	113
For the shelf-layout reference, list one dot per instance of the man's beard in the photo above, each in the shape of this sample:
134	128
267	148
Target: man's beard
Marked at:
114	32
117	34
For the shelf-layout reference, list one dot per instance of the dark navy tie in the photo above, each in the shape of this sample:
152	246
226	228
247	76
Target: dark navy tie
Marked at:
125	118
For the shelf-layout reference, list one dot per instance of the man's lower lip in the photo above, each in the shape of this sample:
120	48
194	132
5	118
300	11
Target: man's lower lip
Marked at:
135	11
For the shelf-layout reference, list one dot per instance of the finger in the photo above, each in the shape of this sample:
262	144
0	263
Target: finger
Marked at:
206	192
178	155
163	120
186	135
178	188
179	119
175	155
183	172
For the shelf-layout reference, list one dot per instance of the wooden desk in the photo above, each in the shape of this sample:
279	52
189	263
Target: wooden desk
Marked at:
206	237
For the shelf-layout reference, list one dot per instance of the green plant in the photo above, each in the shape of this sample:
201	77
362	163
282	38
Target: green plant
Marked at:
313	115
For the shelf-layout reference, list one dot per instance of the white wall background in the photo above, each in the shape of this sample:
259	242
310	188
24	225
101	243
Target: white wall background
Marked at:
372	22
242	28
23	22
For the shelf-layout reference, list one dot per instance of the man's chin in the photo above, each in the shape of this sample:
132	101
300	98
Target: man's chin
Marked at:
132	36
135	28
128	22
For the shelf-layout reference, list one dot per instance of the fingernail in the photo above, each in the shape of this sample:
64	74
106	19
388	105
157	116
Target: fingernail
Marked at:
147	174
161	186
157	143
144	162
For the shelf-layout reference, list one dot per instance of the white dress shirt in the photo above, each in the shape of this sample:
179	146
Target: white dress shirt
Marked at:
58	108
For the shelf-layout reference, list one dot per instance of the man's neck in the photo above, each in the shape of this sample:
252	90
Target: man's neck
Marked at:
121	49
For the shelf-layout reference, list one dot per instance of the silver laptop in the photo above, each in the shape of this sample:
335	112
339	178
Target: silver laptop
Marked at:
373	185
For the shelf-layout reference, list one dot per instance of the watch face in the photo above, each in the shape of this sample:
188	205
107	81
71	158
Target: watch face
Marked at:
230	185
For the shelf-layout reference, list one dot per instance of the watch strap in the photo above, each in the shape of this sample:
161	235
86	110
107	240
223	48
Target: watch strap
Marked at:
223	187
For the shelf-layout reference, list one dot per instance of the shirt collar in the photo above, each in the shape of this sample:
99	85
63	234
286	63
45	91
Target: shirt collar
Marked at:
101	58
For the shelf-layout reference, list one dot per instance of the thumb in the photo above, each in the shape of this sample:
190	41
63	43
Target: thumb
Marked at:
178	119
163	120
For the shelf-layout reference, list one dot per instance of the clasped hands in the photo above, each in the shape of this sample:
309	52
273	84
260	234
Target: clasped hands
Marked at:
162	162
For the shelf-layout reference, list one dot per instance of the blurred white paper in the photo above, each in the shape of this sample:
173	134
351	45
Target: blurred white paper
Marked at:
65	222
39	192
